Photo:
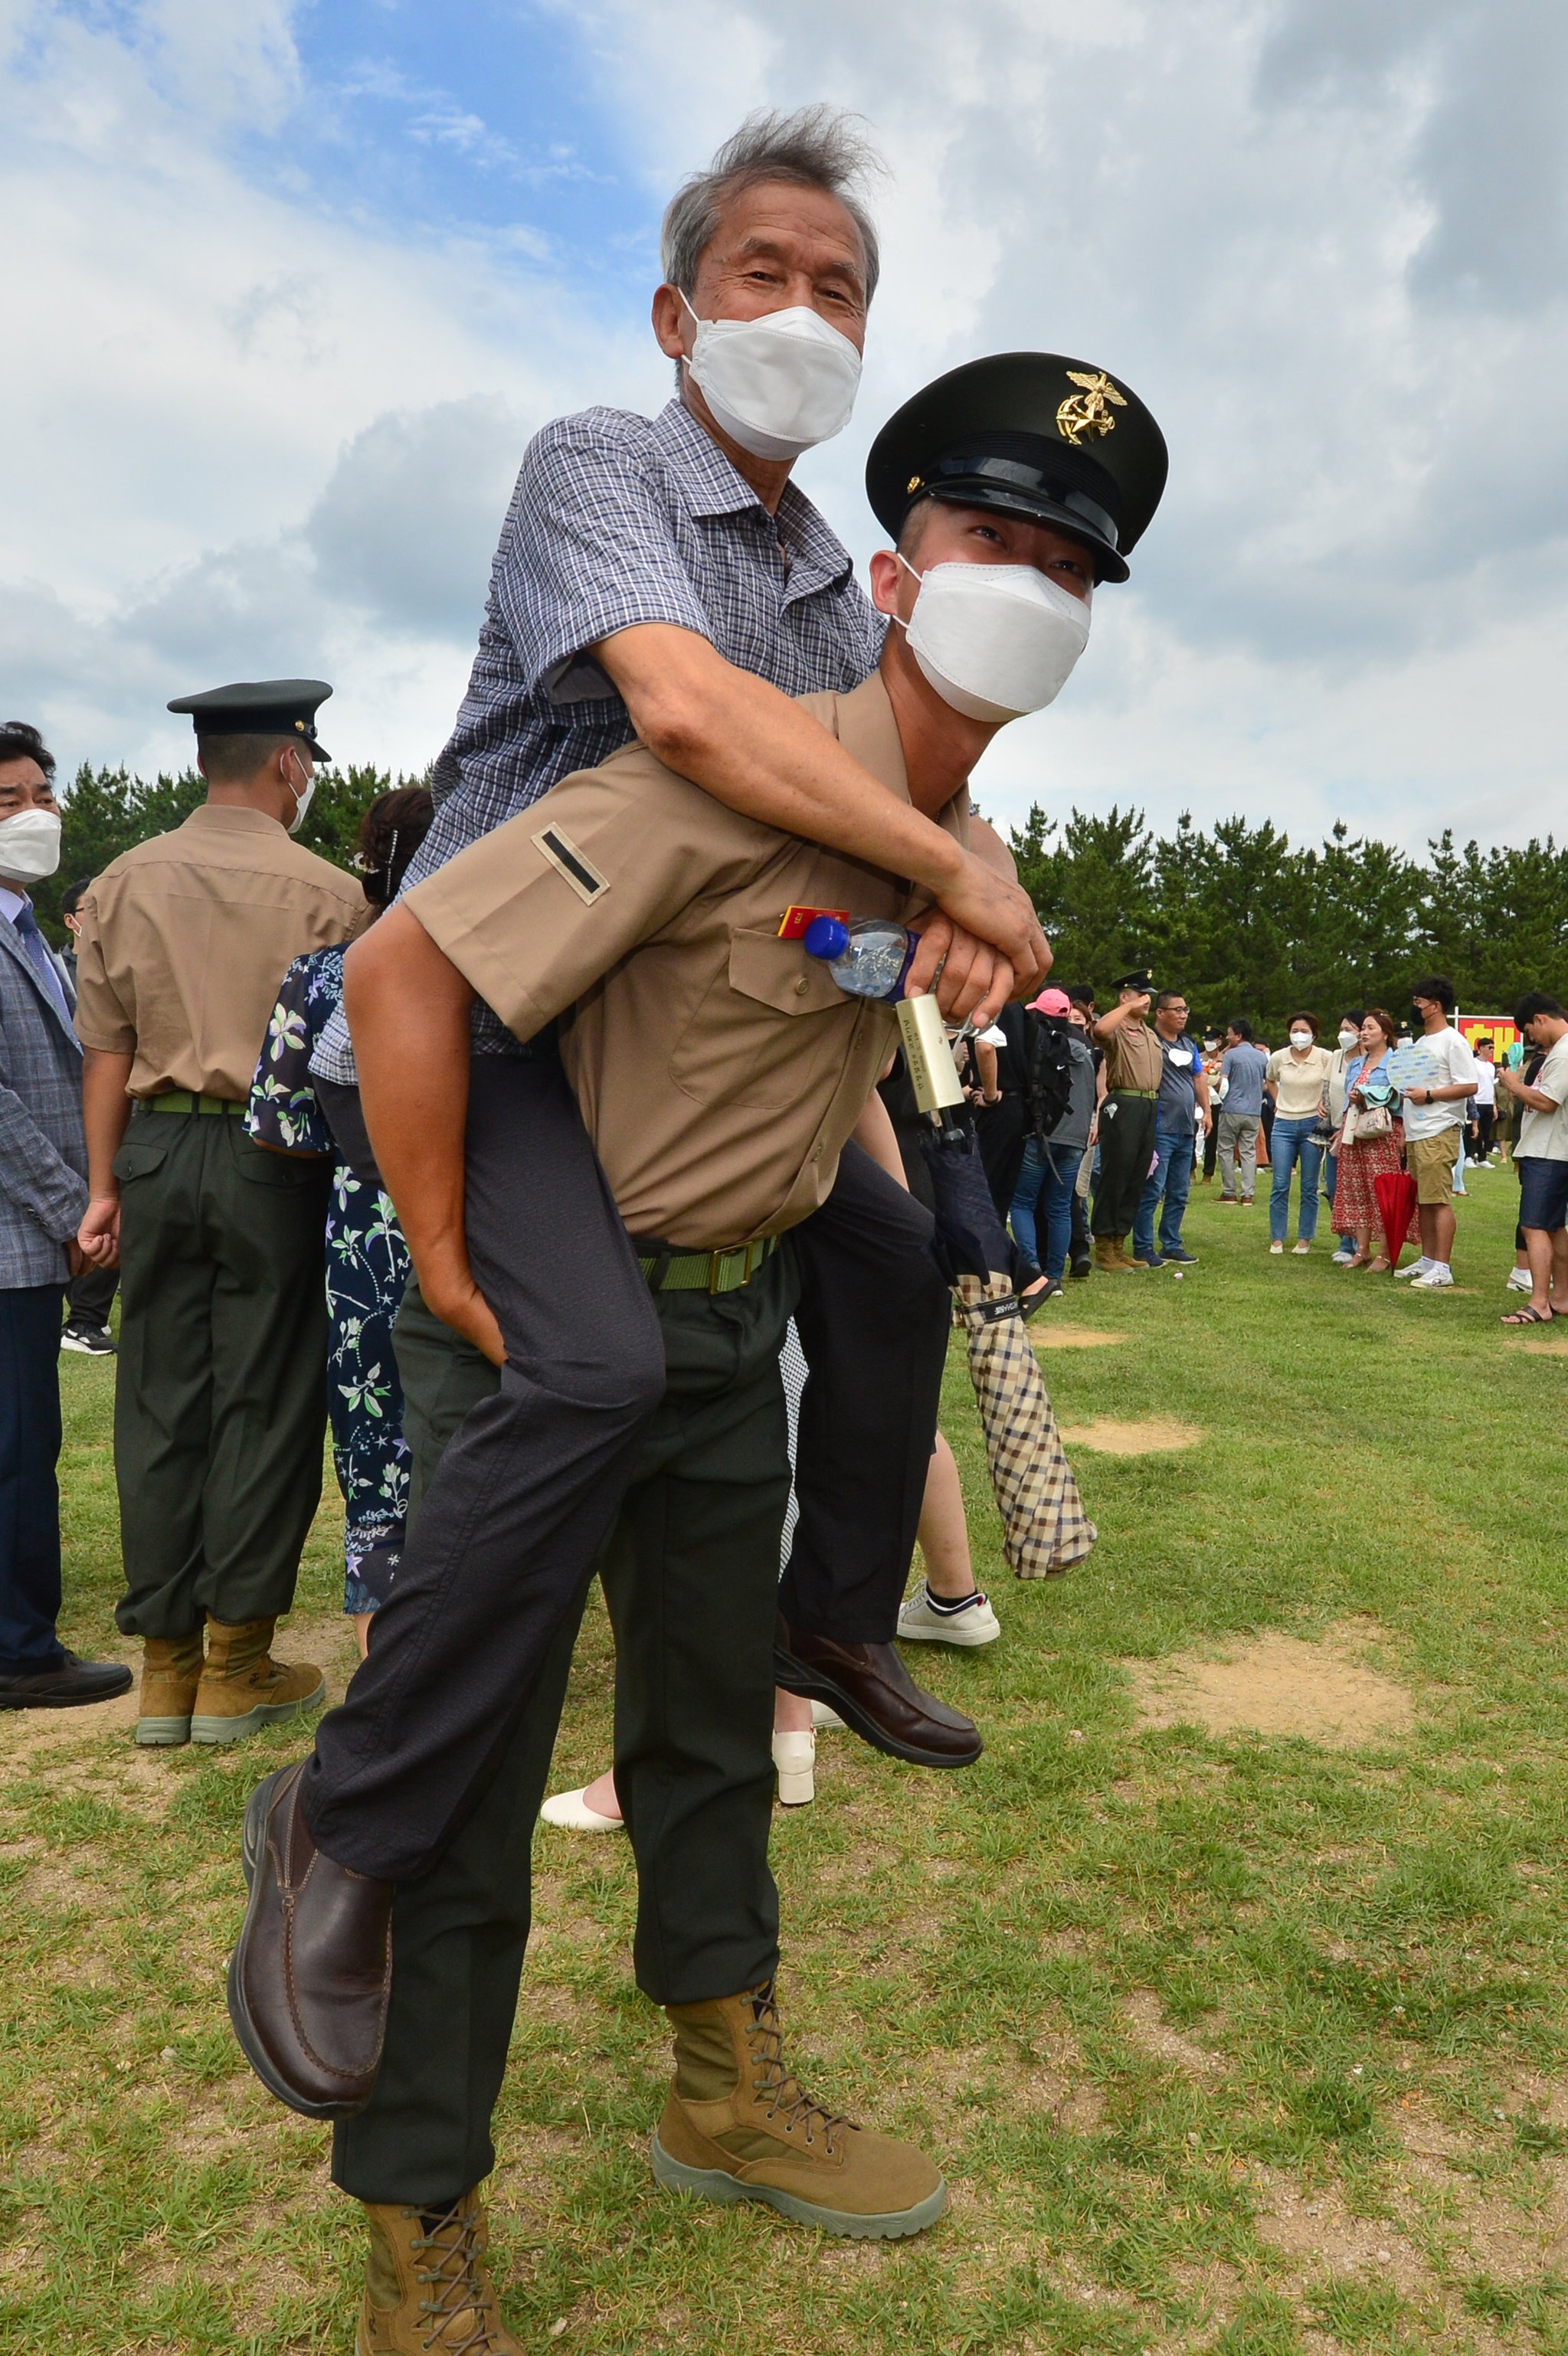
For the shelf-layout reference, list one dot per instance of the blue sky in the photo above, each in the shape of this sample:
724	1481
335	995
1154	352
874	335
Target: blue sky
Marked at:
294	281
477	115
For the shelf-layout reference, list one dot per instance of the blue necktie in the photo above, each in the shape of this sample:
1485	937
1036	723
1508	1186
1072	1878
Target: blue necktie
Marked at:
38	958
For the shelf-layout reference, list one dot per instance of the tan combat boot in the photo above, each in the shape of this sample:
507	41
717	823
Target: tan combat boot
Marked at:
427	2290
243	1689
1108	1255
171	1671
737	2126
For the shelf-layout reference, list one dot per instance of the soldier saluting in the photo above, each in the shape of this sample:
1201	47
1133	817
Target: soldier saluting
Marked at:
220	1397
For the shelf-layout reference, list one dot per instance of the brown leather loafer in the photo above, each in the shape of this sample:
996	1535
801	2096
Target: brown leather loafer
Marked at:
875	1694
309	1979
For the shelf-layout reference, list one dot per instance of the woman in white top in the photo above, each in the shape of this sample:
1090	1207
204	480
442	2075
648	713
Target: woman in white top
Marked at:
1298	1079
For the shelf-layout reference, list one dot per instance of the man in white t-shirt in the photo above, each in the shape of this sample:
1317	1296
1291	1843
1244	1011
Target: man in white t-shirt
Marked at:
1541	1154
1435	1115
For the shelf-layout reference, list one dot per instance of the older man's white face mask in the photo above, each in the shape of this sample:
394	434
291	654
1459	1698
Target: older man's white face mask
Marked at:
777	385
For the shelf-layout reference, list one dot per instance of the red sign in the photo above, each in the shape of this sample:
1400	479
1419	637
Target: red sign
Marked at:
797	919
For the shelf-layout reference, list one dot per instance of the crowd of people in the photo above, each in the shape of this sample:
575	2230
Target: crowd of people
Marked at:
540	1154
1326	1124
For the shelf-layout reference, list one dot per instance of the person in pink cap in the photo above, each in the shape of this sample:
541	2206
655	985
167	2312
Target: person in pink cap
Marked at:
1058	1083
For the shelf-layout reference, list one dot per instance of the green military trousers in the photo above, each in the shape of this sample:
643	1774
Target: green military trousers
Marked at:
690	1577
221	1395
1126	1150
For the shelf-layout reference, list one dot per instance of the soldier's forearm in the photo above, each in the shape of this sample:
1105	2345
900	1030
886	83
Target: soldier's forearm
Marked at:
409	1009
106	1114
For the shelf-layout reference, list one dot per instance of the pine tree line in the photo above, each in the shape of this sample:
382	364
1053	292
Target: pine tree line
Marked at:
1235	916
1244	924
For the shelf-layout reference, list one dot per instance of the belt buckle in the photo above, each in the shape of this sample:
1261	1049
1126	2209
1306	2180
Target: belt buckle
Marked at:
716	1260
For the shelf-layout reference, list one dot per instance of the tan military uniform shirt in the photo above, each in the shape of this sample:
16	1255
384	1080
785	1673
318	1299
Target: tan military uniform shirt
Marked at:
720	1069
1134	1057
184	939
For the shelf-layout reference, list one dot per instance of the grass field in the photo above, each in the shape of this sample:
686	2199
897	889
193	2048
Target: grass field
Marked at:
1229	2041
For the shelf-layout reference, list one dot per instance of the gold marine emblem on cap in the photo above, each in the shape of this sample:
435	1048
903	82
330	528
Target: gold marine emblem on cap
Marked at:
1089	412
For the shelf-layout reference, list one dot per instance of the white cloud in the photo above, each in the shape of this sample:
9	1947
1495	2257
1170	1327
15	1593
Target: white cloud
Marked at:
248	435
1327	241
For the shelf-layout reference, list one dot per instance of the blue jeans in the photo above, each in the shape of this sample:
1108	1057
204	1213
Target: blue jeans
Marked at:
1169	1182
1291	1143
1044	1196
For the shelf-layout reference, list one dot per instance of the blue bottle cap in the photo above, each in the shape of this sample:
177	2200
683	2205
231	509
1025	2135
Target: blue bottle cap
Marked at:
825	937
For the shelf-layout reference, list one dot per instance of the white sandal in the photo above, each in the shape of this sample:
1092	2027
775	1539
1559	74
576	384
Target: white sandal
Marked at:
570	1809
795	1757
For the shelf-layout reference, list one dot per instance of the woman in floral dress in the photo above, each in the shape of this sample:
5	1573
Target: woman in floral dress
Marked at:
367	1259
1363	1160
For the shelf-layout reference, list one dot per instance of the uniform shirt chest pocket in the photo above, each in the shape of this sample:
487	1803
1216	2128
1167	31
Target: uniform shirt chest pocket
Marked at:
761	1027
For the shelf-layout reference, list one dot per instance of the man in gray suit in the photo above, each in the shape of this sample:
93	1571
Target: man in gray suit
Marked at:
43	1194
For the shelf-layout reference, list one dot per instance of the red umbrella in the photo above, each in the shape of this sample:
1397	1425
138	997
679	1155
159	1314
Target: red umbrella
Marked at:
1395	1191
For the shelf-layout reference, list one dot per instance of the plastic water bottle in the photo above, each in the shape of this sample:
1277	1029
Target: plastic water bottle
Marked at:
869	959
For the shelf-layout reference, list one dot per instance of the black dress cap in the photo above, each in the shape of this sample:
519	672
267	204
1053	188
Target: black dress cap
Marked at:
1029	434
1142	980
259	707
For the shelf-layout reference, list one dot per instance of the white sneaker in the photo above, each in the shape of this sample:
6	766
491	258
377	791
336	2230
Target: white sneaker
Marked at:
1342	1259
826	1721
1276	1247
1437	1279
795	1757
572	1811
1298	1248
1518	1279
1417	1268
976	1624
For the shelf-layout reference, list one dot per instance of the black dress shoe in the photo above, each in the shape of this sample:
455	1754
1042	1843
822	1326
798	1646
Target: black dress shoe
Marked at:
71	1686
309	1979
877	1698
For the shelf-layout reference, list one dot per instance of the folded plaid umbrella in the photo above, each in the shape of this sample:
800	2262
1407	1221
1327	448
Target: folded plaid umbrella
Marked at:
1044	1525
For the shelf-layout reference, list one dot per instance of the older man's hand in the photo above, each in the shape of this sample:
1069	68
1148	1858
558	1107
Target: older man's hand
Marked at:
999	912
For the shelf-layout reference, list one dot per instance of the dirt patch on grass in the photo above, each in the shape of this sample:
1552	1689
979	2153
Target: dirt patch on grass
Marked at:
1160	1435
1072	1337
1537	1344
1278	1684
1161	2042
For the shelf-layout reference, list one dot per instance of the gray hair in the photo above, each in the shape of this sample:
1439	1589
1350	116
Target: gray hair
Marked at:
816	148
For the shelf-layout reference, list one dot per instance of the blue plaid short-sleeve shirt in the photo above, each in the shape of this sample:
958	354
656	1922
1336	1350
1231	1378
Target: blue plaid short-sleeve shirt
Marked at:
618	519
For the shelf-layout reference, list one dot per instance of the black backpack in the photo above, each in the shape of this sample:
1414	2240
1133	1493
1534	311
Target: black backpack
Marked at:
1048	1071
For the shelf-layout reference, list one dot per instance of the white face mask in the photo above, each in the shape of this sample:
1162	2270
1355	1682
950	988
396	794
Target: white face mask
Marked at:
301	803
1301	1038
995	640
1349	1038
777	385
30	845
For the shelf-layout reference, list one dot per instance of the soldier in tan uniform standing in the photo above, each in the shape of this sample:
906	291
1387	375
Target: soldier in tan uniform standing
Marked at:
1134	1059
221	1399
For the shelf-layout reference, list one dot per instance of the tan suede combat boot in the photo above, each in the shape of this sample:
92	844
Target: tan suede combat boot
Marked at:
1110	1255
737	2126
427	2290
243	1689
171	1671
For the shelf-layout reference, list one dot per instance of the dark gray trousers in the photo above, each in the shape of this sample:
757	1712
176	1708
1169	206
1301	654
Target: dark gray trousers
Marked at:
690	1574
513	1519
